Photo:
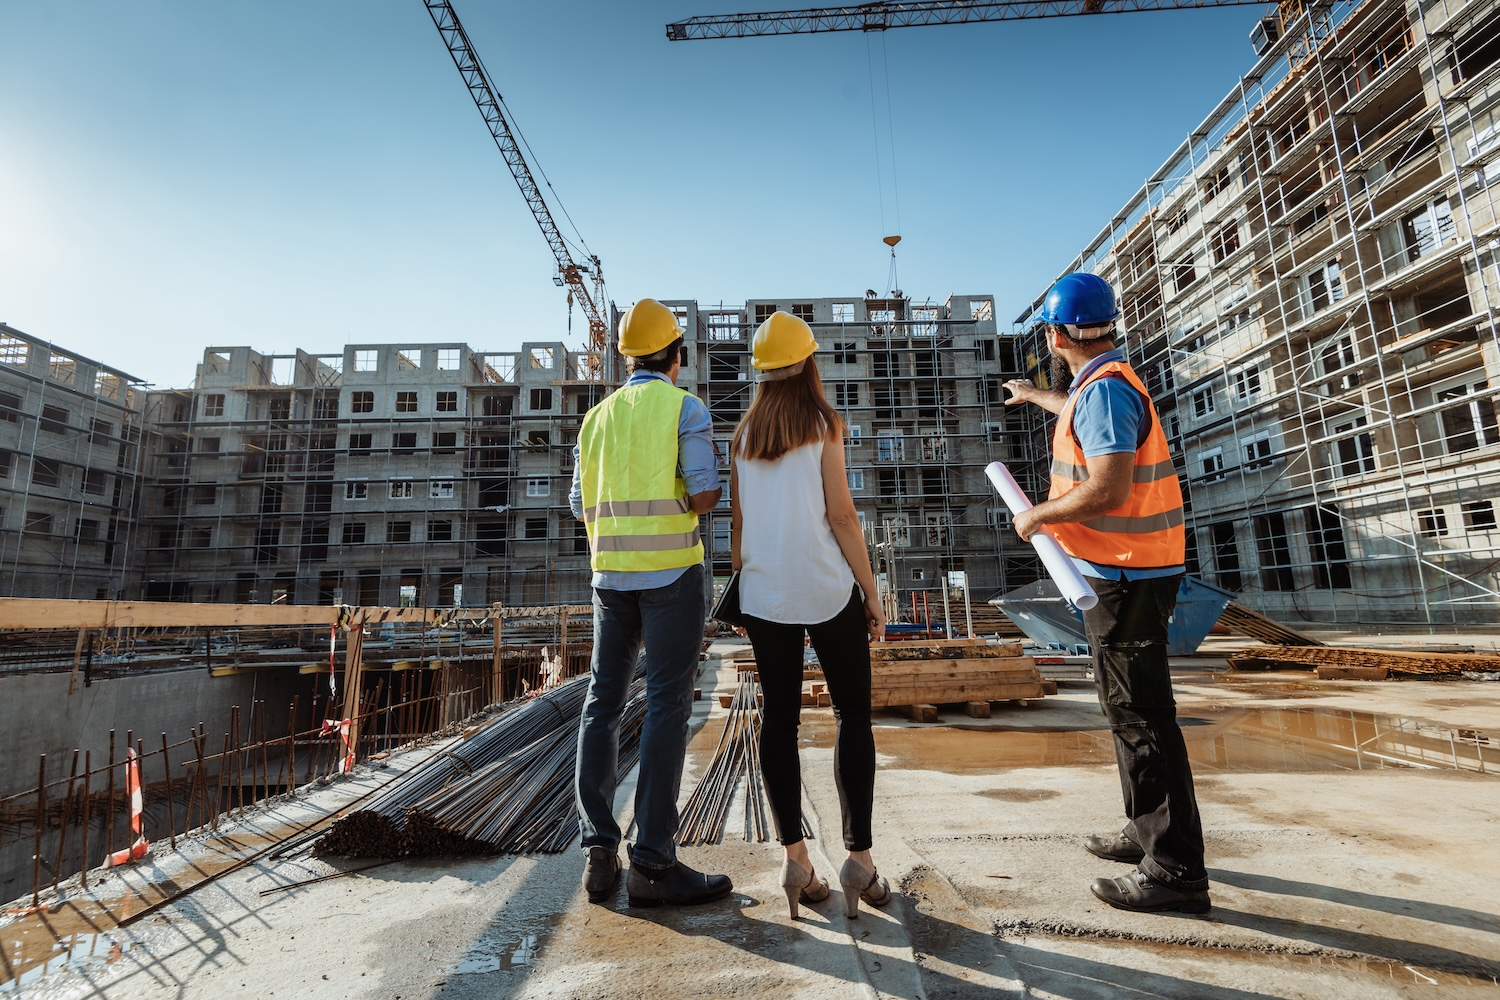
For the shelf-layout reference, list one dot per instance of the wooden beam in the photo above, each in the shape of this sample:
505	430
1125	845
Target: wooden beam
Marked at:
1020	666
77	655
946	694
32	612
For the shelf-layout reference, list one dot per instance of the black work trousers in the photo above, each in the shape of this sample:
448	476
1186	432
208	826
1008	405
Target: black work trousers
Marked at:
843	649
1127	632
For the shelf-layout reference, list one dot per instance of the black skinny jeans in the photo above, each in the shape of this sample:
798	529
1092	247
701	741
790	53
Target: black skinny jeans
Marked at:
843	649
1127	631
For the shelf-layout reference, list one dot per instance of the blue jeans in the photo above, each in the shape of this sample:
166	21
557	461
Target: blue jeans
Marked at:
669	621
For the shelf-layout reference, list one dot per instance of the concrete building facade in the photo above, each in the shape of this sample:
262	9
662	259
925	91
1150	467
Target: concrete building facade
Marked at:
438	474
389	474
1310	285
70	470
919	386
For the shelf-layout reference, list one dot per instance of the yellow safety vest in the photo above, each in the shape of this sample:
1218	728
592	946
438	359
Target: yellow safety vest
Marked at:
634	503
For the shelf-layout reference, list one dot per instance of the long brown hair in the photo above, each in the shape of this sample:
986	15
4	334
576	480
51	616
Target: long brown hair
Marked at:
785	414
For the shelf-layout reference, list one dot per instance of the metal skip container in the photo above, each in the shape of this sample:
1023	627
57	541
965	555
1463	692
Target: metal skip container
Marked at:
1039	610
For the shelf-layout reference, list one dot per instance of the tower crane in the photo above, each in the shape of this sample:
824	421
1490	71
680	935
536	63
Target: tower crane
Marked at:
570	273
884	14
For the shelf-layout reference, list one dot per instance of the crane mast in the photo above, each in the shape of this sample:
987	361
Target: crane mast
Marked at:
570	273
880	16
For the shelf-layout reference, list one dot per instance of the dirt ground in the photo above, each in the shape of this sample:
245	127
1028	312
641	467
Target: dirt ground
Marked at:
1348	826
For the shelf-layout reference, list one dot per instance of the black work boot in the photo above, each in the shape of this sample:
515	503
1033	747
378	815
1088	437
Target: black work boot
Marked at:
600	873
1139	891
677	885
1117	848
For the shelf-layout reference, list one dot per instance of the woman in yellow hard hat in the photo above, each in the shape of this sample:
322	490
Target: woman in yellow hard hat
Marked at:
804	571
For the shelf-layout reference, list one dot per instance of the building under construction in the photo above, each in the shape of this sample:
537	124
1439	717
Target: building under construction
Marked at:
437	475
1310	285
71	466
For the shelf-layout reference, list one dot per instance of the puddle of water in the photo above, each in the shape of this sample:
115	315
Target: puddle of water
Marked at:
492	956
85	929
73	953
1267	740
1414	975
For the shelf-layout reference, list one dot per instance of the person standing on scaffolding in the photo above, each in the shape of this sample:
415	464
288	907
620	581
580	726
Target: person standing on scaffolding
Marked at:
644	469
1116	507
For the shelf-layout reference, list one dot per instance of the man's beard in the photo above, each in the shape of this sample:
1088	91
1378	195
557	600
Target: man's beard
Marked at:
1059	375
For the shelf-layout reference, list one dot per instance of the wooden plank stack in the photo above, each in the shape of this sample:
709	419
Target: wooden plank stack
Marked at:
931	672
1396	664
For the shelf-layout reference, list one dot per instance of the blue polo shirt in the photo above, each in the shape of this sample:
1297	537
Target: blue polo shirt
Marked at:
696	463
1110	418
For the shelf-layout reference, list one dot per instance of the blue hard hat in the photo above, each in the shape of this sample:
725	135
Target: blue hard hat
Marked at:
1080	299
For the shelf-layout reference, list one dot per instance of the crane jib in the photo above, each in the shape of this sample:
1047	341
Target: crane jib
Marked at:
487	100
882	16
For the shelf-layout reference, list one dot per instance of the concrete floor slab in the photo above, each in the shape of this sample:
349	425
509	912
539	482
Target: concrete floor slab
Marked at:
1334	876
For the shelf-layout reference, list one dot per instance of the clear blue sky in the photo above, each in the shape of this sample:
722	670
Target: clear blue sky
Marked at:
311	173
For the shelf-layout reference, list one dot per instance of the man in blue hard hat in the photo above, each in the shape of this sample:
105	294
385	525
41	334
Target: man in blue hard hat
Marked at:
1115	507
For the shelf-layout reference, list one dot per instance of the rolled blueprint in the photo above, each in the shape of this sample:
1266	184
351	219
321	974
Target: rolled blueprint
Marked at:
1059	566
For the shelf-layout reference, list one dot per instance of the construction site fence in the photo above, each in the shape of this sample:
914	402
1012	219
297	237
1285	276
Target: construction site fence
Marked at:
79	815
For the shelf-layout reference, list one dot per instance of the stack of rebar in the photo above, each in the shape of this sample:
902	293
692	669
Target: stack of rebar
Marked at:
736	762
379	829
506	789
521	804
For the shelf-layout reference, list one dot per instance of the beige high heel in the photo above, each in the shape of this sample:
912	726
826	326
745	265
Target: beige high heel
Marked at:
801	885
859	882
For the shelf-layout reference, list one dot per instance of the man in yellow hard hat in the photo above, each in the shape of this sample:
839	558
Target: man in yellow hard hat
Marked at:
644	469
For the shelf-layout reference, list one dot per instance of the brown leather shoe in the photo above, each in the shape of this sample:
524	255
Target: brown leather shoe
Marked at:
1138	891
600	873
1117	848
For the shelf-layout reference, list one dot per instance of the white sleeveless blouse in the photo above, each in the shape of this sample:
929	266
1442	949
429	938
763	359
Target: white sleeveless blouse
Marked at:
792	569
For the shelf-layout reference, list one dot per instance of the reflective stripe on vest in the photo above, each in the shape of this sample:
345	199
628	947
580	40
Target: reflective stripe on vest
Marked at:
635	505
635	508
1147	529
1141	474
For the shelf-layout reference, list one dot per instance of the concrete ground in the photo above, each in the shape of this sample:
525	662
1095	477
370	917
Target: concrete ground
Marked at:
1349	832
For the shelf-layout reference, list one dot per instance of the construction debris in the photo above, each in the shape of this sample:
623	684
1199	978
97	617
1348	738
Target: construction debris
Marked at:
1238	618
1421	664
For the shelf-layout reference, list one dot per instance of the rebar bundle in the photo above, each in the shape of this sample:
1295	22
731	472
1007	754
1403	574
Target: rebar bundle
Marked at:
521	804
507	789
379	829
736	760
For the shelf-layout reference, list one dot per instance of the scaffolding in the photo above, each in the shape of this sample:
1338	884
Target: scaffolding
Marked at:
407	475
1309	286
70	470
919	386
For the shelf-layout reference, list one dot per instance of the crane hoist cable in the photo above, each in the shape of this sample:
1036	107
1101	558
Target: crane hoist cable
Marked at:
891	282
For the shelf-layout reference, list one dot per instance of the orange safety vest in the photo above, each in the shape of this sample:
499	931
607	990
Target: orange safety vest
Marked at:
1144	532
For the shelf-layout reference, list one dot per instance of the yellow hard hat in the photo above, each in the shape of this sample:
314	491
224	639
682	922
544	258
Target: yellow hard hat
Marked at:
780	346
647	327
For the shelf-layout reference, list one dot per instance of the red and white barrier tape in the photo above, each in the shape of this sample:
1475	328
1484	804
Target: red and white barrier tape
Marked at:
137	850
329	725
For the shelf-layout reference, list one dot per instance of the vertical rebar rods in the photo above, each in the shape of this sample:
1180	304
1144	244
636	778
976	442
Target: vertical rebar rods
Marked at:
736	761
